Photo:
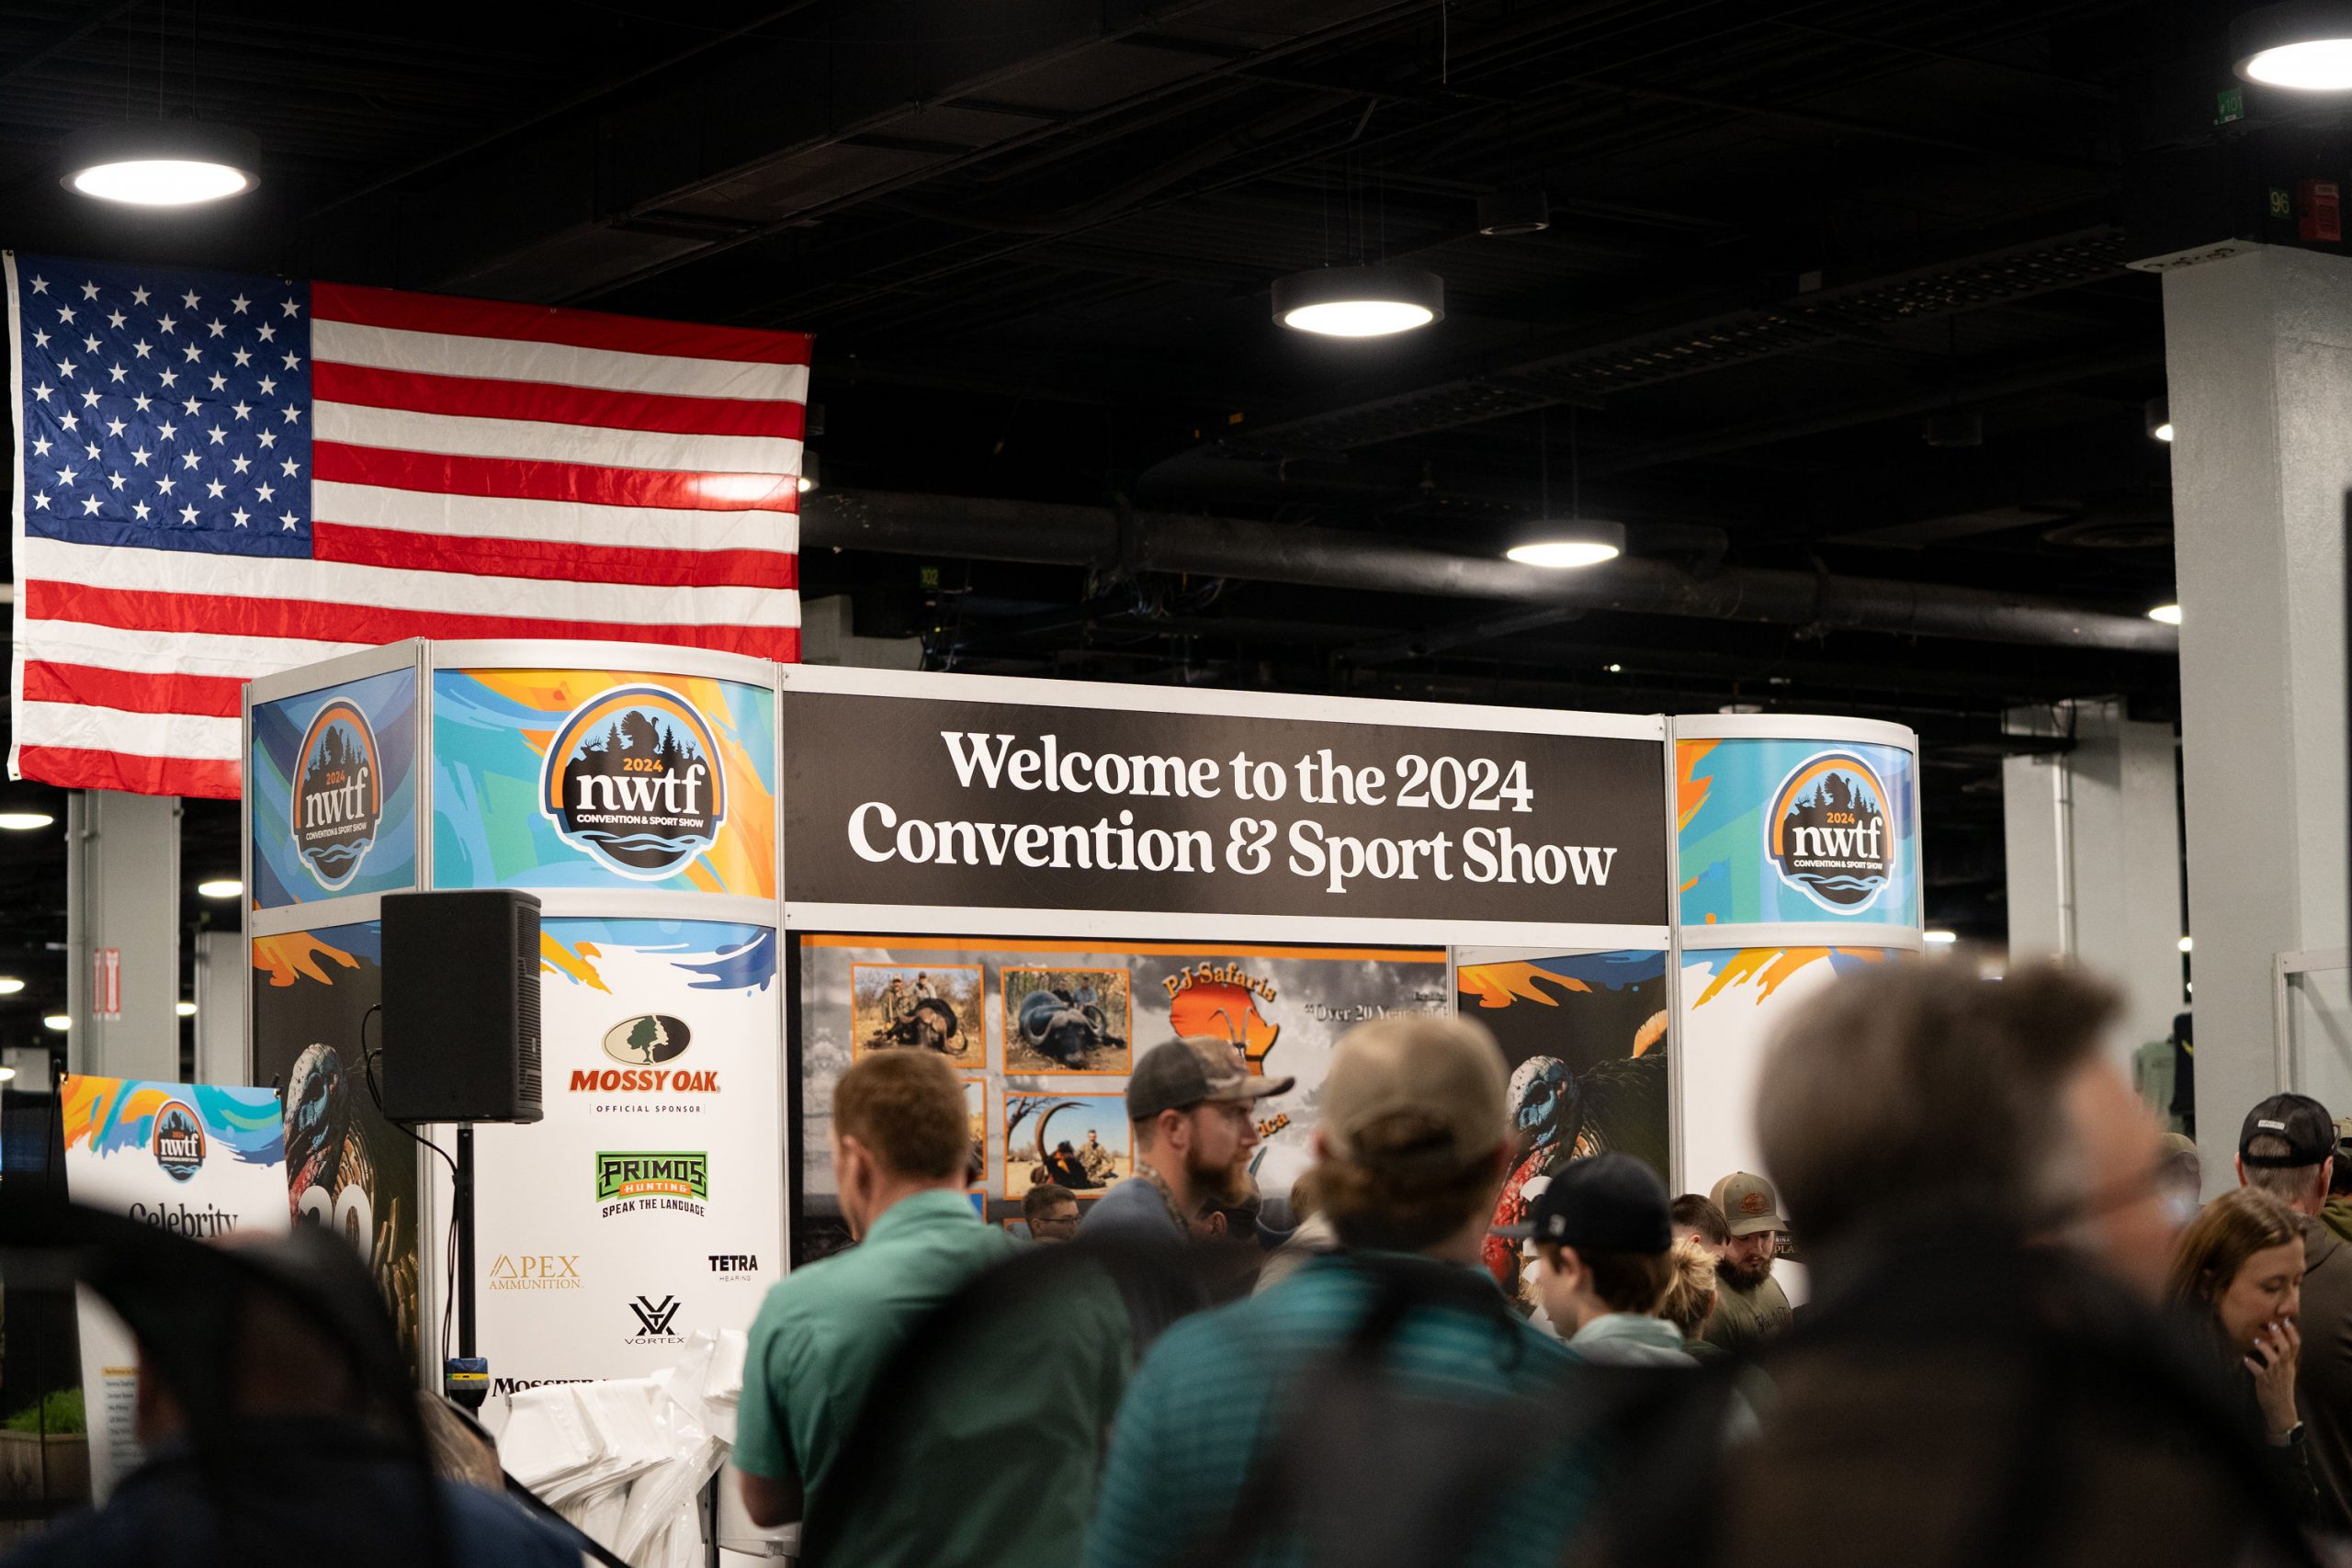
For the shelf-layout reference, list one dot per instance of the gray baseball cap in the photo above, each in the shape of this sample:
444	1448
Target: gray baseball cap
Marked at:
1193	1071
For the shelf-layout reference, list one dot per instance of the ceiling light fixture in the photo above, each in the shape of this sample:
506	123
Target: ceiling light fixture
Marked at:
2304	45
808	479
220	888
1559	545
10	984
187	1010
1939	938
1507	212
169	163
2187	944
2168	613
25	821
7	1075
59	1021
2156	413
1359	301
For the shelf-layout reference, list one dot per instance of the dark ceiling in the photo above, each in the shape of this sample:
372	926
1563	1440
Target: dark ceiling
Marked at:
1035	239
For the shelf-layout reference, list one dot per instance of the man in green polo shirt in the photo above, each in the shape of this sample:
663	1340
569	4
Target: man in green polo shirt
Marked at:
988	1443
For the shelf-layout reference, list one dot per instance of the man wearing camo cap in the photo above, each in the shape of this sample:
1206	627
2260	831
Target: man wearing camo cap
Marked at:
1193	1106
1751	1306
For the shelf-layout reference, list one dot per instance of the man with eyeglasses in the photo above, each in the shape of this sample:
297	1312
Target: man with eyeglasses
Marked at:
2288	1148
1194	1110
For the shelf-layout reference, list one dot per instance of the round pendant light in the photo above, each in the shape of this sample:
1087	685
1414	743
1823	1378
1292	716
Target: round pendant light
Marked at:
1359	301
2304	45
172	162
808	477
1560	545
2168	613
2157	414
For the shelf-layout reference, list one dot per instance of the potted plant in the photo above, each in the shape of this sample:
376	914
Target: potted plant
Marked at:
45	1449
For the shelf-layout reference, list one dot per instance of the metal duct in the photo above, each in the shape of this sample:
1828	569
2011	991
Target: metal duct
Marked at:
979	528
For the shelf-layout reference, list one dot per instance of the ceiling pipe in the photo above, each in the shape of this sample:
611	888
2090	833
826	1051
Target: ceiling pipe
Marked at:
984	528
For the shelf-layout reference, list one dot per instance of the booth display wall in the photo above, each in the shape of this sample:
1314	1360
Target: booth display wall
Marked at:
1045	1032
1798	858
632	790
203	1161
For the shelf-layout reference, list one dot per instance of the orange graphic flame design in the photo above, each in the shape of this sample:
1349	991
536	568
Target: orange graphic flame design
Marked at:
1690	789
580	962
1496	984
1220	1011
298	953
1652	1031
1771	966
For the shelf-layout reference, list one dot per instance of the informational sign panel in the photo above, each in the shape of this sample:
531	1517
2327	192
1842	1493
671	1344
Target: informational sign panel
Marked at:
331	784
197	1160
105	983
1045	1031
599	778
347	1169
904	796
649	1202
1786	831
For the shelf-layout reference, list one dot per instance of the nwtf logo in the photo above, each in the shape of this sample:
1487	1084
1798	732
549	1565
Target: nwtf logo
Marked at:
338	794
179	1141
1828	833
632	778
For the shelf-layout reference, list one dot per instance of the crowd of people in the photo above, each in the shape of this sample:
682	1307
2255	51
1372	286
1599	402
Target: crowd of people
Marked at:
2025	1338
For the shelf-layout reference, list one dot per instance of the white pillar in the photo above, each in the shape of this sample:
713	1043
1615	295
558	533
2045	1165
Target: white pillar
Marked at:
2258	355
222	964
122	893
2094	869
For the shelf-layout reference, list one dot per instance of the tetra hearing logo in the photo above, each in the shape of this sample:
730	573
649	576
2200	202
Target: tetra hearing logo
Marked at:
633	779
1828	835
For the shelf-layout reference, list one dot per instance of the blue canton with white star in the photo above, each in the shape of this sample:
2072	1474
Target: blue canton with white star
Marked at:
164	408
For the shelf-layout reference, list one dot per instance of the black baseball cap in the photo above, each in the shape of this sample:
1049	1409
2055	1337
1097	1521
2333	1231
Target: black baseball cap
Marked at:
1609	1204
1184	1072
2302	1121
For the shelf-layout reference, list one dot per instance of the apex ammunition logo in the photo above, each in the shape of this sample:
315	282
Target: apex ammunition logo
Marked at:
647	1040
536	1271
675	1179
338	794
631	778
1828	833
653	1320
178	1141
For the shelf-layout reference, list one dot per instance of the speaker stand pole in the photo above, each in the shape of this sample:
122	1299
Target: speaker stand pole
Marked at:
464	1195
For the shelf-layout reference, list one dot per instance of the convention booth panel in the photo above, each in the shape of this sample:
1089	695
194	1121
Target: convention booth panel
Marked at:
632	790
1041	879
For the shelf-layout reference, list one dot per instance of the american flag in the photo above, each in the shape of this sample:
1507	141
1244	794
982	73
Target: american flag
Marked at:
220	476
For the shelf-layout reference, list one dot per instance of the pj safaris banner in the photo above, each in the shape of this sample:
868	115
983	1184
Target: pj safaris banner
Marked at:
200	1161
346	1168
1044	1033
585	778
333	784
969	803
1780	830
649	1202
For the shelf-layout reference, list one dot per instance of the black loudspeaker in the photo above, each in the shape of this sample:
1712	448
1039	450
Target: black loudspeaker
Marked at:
461	1007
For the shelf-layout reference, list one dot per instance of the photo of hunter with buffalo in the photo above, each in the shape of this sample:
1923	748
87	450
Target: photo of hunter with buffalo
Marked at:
920	1007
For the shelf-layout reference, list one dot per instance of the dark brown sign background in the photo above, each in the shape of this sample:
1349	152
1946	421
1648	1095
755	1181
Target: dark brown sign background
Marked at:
843	751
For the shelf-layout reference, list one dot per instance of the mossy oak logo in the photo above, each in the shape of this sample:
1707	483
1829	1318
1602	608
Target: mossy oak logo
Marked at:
1828	835
338	794
647	1040
632	779
179	1141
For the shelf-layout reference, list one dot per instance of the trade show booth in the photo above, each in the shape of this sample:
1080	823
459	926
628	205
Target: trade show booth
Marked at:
751	875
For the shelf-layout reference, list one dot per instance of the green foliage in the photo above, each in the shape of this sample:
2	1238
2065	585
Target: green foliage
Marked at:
60	1410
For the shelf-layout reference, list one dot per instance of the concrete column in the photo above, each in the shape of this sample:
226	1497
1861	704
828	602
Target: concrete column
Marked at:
2094	858
2258	355
222	964
122	891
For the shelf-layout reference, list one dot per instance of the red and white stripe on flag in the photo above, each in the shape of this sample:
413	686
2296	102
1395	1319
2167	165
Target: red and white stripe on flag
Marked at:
475	469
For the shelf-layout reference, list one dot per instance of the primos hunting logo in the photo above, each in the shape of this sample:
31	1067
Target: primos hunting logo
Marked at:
677	1180
632	779
338	794
1828	833
179	1141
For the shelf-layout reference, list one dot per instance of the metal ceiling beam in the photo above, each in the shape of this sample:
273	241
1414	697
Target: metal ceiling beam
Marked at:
980	528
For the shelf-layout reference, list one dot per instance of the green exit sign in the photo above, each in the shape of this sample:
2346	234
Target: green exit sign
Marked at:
2229	103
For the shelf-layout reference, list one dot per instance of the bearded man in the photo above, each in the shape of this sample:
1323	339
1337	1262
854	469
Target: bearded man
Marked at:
1751	1306
1194	1108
